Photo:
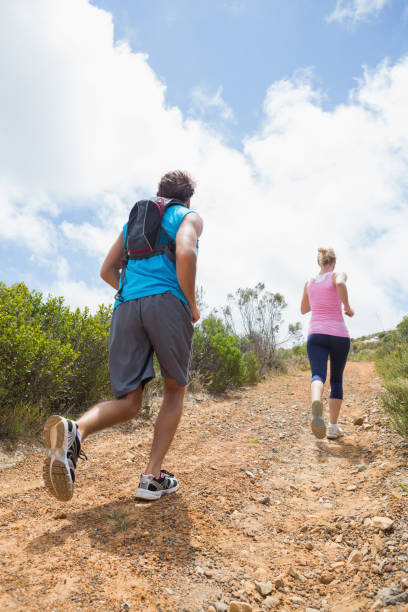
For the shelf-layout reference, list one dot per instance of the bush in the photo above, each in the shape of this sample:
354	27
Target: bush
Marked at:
392	364
296	358
218	359
52	359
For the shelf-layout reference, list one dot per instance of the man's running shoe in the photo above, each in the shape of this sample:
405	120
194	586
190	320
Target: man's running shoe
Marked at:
153	488
61	439
318	426
334	432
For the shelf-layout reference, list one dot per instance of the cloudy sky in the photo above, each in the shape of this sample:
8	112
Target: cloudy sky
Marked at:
291	116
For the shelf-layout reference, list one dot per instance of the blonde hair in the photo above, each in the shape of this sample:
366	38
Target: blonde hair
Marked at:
325	256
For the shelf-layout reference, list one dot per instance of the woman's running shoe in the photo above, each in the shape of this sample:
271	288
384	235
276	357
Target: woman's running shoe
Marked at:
334	432
318	426
153	488
61	439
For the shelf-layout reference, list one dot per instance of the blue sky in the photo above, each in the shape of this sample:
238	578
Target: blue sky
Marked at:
291	116
245	45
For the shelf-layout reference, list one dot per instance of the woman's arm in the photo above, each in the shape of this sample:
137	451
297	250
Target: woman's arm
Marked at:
113	263
305	304
340	284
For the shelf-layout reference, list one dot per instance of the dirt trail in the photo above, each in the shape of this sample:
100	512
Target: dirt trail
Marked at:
291	521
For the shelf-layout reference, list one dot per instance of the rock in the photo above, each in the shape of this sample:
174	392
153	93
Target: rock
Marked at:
264	500
311	610
261	574
296	599
358	420
388	567
220	606
361	467
208	573
292	572
382	522
316	486
326	578
199	570
264	588
211	609
391	596
309	546
337	565
239	606
279	582
249	474
351	488
169	591
377	544
355	557
271	603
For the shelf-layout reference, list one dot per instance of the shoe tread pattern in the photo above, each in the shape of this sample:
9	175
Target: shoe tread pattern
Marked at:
318	425
56	475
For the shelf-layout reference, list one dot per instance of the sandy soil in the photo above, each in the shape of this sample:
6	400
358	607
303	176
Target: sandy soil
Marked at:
287	526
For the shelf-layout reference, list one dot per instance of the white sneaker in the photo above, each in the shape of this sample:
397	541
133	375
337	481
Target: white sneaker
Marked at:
334	432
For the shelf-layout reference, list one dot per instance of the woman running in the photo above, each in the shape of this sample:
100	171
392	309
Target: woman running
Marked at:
328	335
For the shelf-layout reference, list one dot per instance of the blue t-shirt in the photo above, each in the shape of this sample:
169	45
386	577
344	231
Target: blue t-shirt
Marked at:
155	274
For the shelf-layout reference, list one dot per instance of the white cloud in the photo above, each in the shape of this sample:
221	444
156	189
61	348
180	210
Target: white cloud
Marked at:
203	101
87	129
356	10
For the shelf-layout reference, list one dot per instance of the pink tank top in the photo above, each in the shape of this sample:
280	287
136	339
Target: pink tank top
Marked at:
326	305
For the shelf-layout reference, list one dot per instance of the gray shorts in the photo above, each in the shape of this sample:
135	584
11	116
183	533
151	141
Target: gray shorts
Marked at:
158	324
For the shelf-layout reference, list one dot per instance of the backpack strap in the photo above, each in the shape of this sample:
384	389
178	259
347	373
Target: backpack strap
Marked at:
125	260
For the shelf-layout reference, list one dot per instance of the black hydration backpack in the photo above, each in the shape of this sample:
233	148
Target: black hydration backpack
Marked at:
145	235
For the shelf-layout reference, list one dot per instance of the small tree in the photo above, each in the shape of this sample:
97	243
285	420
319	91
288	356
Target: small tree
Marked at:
261	318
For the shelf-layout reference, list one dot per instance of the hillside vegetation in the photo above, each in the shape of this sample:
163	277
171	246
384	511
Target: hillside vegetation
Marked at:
55	359
389	351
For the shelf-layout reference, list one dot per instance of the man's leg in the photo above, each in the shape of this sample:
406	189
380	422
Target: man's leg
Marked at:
63	437
166	424
107	414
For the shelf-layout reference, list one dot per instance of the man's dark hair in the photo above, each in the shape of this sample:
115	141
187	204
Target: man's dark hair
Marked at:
176	184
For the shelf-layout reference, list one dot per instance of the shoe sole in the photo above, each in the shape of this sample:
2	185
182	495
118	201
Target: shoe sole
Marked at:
56	472
146	494
318	425
334	437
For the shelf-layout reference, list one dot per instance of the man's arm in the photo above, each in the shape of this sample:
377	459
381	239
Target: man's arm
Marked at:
186	258
110	271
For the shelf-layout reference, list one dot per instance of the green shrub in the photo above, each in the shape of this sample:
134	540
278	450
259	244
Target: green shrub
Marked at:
218	358
395	401
52	359
392	364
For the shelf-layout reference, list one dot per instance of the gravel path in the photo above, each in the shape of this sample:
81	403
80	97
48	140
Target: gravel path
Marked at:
266	516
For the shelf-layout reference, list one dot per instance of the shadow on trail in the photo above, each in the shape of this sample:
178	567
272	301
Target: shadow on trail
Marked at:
124	527
354	453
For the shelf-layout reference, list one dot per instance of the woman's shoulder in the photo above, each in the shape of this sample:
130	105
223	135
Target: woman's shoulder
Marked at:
339	277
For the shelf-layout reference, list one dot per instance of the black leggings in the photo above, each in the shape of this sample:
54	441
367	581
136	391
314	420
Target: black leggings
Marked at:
319	347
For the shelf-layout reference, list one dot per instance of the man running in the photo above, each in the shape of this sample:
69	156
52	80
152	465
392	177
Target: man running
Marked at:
155	313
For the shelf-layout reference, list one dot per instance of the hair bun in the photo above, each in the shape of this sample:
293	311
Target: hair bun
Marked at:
325	256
